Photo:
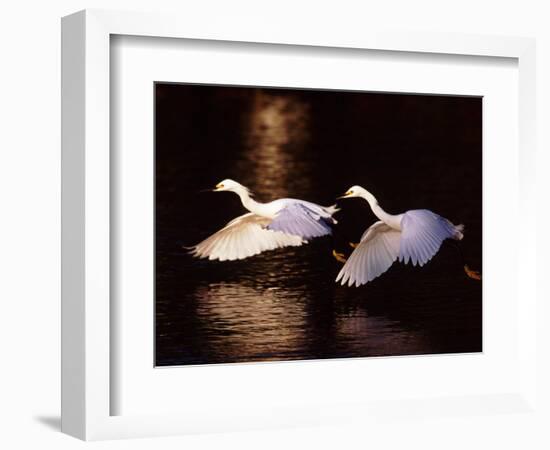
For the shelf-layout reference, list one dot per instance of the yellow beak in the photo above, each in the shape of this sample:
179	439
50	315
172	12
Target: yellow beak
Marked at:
347	194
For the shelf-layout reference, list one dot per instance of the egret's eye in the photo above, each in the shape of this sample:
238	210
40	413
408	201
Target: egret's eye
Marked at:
219	186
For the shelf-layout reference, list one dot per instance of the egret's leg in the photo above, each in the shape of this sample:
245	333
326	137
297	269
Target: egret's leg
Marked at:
353	244
473	274
340	257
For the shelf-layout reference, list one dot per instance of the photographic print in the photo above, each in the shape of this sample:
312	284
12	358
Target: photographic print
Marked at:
302	224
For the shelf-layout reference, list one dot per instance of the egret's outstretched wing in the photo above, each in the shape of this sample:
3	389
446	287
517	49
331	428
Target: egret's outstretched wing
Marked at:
374	255
422	233
303	219
243	237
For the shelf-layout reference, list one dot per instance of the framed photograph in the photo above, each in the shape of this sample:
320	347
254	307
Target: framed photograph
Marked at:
252	217
262	287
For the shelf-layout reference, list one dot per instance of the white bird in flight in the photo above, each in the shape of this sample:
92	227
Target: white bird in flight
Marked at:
415	236
280	223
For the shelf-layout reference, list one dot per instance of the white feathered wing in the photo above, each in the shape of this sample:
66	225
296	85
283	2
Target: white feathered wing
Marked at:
244	236
377	251
422	234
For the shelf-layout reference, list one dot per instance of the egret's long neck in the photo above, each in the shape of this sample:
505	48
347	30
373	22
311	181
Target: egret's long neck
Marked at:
389	219
248	202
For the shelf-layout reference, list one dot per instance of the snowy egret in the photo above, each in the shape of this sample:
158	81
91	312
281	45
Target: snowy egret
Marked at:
415	236
280	223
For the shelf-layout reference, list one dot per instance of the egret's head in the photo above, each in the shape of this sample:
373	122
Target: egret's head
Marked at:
228	185
354	191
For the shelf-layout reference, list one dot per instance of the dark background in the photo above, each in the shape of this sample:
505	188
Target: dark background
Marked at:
410	151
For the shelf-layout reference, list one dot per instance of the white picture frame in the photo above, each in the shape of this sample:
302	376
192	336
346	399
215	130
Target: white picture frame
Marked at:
86	246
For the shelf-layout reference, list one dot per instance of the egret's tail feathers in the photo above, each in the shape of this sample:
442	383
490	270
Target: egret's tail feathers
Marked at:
459	231
332	209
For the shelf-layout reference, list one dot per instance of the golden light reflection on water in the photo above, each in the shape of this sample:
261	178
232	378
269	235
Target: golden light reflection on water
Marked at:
276	134
262	321
266	322
379	335
256	323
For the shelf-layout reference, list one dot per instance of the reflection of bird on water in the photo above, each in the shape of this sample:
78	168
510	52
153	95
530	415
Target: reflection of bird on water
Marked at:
415	235
280	223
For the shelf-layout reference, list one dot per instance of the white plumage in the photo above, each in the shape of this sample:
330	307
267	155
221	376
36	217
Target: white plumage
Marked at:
280	223
414	236
243	237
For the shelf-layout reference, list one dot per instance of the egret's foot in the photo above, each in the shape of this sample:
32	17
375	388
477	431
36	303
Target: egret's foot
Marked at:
340	257
354	245
474	274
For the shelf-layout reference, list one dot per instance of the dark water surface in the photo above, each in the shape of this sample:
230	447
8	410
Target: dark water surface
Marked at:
410	151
